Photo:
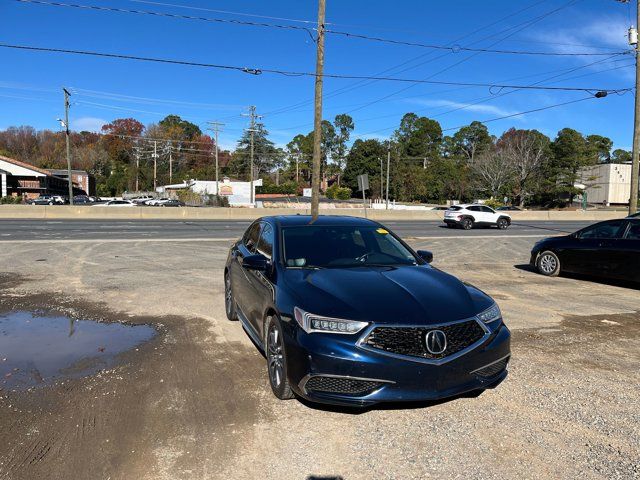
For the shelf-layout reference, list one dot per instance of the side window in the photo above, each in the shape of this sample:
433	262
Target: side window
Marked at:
634	231
603	230
251	236
265	245
487	210
472	209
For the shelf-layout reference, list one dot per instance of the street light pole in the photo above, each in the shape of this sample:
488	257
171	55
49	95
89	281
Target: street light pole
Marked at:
388	164
66	128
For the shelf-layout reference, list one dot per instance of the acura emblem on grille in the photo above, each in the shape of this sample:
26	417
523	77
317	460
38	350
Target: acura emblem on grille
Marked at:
435	341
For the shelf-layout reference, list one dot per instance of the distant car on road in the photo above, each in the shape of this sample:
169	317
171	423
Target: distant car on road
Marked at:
347	313
171	203
607	249
469	216
509	208
47	200
119	203
81	200
156	202
143	199
440	208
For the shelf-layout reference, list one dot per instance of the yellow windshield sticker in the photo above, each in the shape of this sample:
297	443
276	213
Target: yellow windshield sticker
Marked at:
382	230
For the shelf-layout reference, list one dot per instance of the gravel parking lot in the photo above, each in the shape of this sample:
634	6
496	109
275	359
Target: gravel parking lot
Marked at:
195	402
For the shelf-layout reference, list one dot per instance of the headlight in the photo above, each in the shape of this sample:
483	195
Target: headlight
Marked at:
491	314
311	323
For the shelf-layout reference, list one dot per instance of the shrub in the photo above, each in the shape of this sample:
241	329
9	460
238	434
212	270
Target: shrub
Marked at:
287	188
10	200
493	203
335	192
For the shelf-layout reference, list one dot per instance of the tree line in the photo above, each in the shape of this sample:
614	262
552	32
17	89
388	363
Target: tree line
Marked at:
523	165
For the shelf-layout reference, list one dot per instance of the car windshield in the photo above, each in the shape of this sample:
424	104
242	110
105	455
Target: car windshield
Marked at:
313	246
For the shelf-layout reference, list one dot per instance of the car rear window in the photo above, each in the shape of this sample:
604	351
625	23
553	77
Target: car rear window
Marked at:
455	208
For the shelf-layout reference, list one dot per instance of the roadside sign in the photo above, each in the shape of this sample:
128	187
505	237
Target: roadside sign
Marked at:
363	182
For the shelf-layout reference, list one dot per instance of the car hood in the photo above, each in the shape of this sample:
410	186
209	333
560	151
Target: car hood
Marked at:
419	295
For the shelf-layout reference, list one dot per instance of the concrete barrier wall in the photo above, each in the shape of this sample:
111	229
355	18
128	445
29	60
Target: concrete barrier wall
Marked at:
156	213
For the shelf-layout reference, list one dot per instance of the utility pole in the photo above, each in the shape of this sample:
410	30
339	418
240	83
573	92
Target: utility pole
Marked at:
136	154
66	128
388	164
252	129
317	119
635	162
170	163
381	180
216	128
297	174
155	165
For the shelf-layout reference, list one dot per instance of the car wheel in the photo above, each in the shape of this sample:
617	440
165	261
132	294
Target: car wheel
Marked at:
277	360
229	301
467	223
502	223
548	264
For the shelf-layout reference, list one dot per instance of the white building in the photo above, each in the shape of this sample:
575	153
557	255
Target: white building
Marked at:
608	183
238	193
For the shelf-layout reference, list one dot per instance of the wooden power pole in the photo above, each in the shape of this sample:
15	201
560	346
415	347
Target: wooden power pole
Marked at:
635	162
66	129
317	119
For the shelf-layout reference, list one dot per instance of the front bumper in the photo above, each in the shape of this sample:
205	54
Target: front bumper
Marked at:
396	379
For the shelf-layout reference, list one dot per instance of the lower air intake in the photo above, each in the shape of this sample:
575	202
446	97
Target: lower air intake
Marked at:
341	385
493	369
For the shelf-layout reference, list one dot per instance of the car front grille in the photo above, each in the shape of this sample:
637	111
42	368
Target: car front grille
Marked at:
341	385
493	369
410	341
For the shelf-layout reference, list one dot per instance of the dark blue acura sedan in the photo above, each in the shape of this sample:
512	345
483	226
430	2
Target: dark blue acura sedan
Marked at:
347	313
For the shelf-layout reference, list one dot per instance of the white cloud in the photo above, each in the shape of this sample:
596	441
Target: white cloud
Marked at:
470	107
89	124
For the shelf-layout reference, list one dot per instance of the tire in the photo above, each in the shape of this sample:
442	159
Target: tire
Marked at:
466	223
276	359
229	300
548	264
502	224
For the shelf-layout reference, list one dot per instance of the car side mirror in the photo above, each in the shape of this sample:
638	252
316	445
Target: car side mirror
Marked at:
255	262
426	255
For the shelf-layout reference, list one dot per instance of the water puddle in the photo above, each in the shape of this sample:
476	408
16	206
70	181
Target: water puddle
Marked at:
36	349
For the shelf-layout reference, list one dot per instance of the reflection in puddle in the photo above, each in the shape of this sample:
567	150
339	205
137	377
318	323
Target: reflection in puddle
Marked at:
37	349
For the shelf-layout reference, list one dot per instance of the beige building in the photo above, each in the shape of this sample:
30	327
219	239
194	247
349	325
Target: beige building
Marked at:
608	183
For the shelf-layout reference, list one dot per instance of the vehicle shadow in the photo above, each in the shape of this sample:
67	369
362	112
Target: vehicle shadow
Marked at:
586	278
348	410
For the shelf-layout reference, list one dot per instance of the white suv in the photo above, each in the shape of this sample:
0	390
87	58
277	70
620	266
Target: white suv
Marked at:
468	216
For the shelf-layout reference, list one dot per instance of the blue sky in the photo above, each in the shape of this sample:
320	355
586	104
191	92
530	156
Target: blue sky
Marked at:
104	89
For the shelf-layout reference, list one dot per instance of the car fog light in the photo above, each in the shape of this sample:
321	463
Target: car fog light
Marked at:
311	323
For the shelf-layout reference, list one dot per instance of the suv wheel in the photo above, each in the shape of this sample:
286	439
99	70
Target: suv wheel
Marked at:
502	223
467	223
229	301
548	264
277	360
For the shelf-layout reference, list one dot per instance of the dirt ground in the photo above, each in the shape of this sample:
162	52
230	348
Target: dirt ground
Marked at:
195	402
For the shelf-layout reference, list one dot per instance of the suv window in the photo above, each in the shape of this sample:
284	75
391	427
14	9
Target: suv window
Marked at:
251	236
634	231
265	245
473	208
487	210
603	230
455	209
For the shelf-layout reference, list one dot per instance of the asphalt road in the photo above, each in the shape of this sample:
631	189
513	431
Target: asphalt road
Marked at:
133	230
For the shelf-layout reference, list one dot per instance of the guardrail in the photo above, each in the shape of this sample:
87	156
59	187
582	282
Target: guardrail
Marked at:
189	213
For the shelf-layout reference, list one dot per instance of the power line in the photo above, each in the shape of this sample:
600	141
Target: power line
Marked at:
288	73
452	49
458	48
164	14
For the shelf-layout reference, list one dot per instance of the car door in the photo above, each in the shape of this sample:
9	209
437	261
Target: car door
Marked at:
489	215
478	216
240	279
261	283
594	249
628	252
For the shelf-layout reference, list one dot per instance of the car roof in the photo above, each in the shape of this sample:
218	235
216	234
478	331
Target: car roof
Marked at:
465	205
322	220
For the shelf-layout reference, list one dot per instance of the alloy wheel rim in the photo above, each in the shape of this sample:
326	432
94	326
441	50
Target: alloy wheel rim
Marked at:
548	263
275	356
227	293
